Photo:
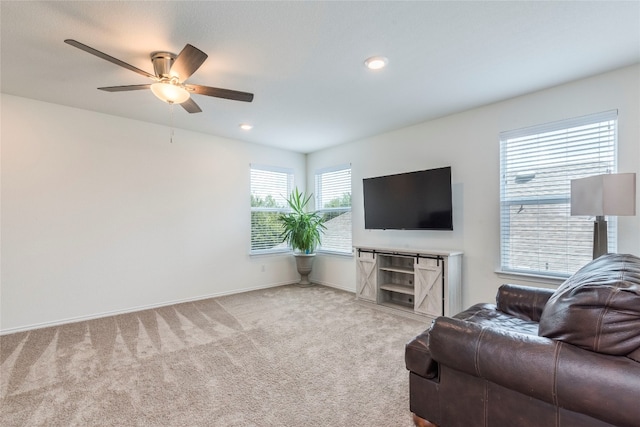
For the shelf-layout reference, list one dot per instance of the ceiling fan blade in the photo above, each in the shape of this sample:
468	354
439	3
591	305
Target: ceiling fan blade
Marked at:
221	93
124	88
107	57
187	62
191	106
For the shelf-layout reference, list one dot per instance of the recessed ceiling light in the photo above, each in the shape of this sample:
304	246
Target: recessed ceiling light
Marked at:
246	126
376	62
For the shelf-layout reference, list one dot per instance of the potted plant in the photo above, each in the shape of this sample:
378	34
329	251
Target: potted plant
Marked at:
302	230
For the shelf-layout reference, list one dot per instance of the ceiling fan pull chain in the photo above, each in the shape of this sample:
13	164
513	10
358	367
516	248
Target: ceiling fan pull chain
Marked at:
171	122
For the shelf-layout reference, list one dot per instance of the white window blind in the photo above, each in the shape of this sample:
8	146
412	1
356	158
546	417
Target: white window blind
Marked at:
333	201
270	187
538	233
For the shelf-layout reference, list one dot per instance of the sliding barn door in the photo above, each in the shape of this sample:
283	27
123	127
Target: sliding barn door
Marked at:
367	277
428	286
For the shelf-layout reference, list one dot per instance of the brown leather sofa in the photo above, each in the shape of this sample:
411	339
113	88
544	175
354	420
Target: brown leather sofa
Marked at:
538	357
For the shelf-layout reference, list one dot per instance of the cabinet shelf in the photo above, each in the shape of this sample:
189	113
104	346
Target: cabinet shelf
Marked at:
398	305
401	289
397	270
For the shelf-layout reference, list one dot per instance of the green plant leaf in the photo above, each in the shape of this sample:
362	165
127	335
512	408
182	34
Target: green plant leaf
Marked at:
302	229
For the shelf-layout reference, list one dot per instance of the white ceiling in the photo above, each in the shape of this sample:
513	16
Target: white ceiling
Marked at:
304	60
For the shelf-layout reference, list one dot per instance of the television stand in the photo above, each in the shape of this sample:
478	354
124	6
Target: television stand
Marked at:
425	282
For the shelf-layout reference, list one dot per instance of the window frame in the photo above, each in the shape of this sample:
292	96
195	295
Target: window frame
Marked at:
571	166
318	196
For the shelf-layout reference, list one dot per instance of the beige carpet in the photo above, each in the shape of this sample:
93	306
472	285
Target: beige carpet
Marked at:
286	356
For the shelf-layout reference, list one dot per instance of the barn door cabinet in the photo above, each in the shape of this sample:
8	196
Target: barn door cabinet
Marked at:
425	282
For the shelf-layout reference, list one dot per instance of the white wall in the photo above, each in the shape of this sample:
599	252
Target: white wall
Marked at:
102	214
468	141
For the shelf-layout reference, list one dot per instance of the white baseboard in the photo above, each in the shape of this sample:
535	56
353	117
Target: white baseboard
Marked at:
333	285
132	309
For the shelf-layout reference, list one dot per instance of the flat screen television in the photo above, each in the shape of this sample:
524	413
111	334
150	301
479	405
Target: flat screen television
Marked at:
418	200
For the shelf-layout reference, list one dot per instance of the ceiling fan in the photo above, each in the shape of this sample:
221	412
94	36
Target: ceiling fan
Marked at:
171	72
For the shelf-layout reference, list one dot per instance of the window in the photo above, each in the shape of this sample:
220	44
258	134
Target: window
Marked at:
538	233
333	201
270	188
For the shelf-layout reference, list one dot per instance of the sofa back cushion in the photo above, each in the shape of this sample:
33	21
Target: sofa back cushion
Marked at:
598	308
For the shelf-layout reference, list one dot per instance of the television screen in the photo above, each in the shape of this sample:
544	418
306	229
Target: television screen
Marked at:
409	201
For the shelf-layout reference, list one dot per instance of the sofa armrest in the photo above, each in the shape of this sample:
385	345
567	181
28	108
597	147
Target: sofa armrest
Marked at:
524	302
602	386
417	357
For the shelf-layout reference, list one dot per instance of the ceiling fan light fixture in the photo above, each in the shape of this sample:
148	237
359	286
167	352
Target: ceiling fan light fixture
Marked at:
170	93
376	62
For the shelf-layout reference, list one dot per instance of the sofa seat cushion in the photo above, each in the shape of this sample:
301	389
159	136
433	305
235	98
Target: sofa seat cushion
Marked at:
598	308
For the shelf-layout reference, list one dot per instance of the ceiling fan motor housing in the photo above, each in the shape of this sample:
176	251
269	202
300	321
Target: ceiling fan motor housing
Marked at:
162	62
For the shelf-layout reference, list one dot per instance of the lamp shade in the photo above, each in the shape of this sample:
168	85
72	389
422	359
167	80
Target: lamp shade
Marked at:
170	93
600	195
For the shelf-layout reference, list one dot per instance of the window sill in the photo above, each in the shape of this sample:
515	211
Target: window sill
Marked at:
270	253
532	277
335	253
290	252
